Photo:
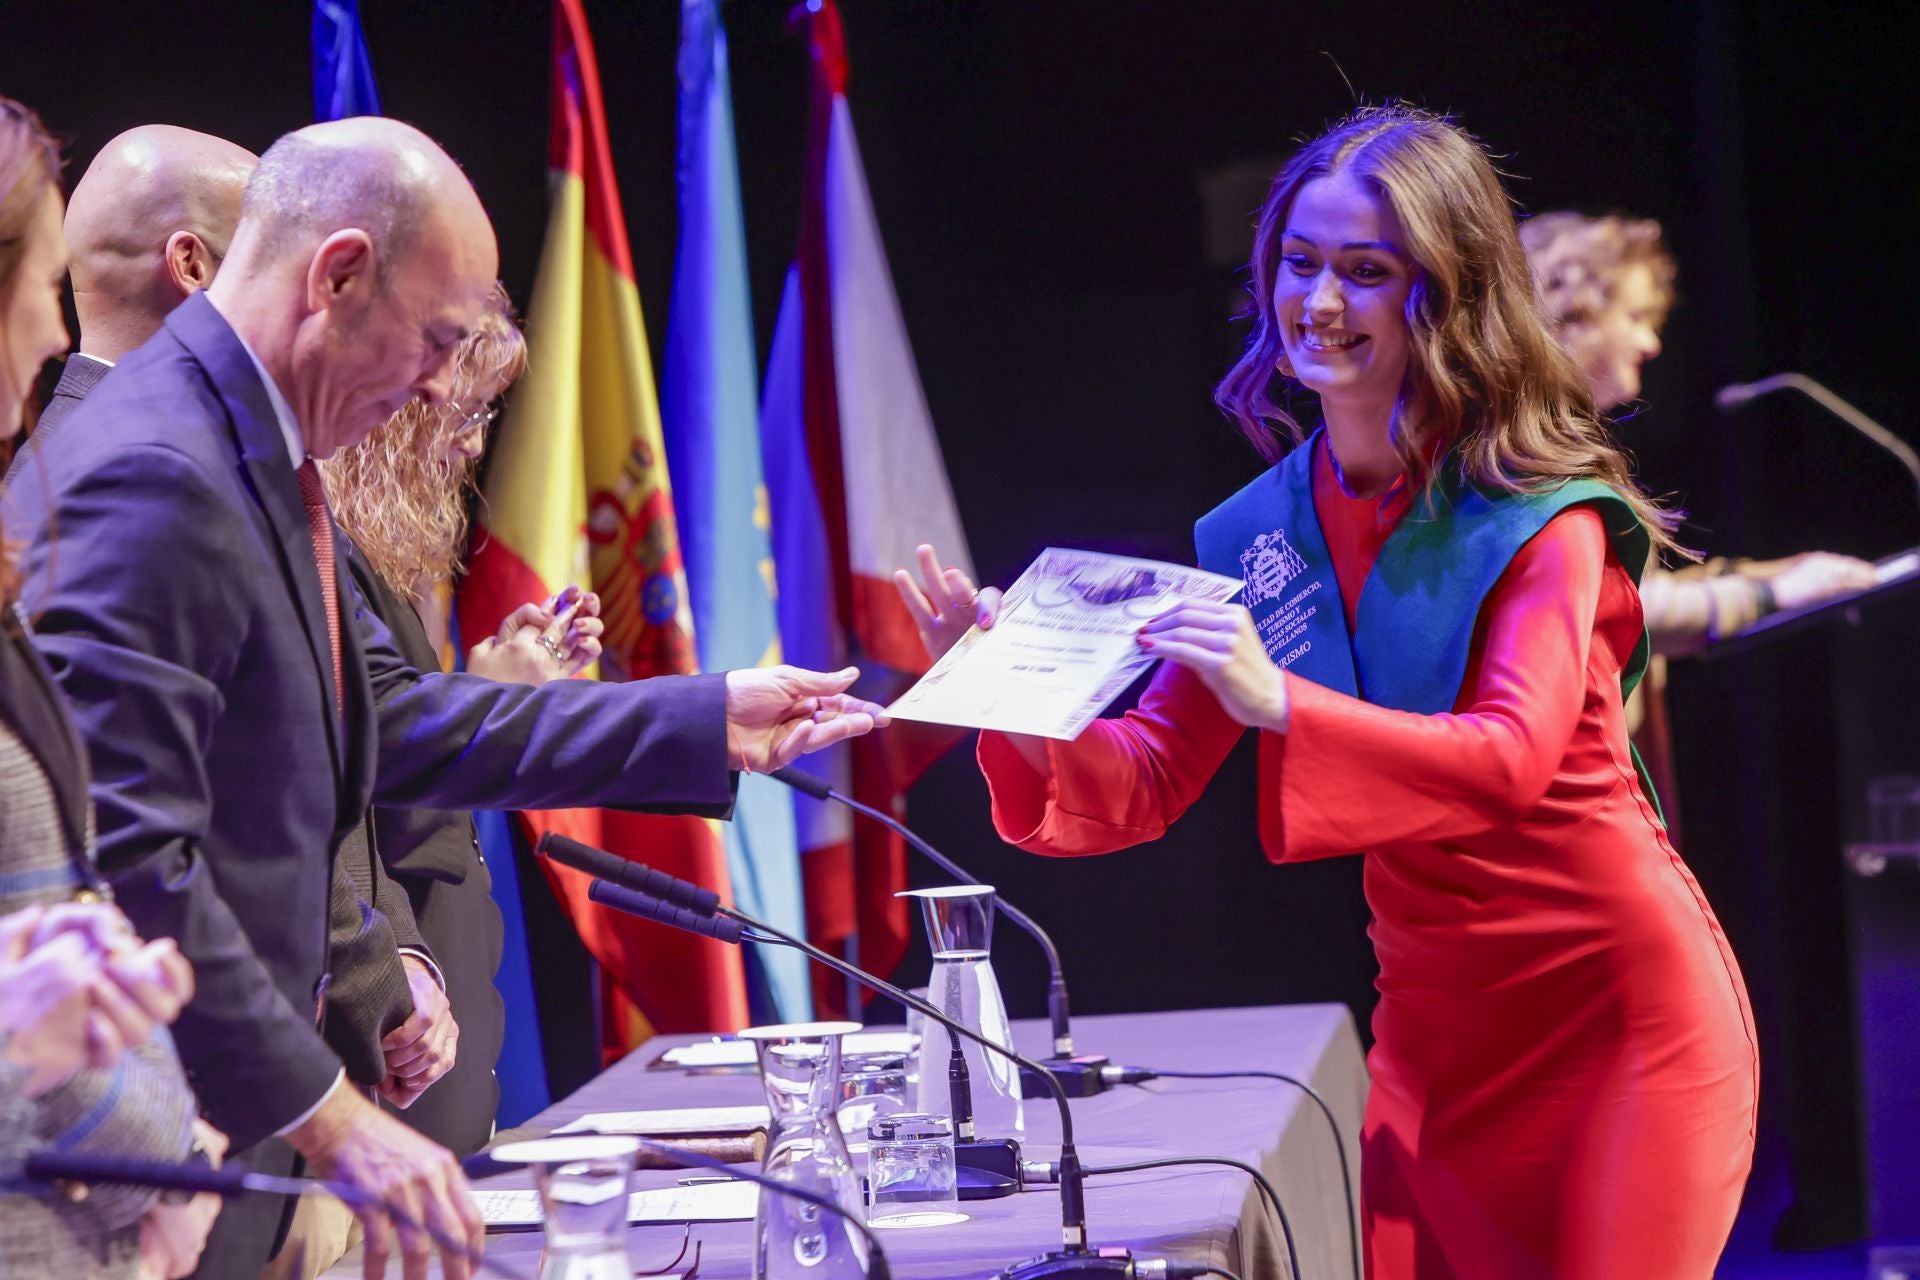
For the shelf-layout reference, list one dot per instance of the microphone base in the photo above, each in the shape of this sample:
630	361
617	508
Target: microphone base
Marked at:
1079	1077
1107	1264
987	1170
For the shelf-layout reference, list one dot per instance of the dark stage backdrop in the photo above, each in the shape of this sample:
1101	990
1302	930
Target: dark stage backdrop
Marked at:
1066	192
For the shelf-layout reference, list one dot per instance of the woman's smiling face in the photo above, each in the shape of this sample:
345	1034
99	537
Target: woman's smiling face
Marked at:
1340	294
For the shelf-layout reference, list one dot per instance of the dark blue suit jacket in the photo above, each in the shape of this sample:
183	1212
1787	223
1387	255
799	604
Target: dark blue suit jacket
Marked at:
171	576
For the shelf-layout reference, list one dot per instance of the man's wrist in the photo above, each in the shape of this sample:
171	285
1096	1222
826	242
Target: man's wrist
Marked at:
421	960
325	1123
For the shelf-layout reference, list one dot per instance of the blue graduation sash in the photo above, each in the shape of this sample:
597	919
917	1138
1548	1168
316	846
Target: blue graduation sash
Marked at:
1418	606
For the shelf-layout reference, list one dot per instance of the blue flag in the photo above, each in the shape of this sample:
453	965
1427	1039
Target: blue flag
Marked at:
342	71
710	416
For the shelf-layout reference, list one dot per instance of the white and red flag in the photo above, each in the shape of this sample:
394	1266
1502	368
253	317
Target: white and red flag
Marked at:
856	482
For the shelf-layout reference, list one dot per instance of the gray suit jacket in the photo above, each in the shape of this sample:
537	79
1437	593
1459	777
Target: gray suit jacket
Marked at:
141	1106
79	375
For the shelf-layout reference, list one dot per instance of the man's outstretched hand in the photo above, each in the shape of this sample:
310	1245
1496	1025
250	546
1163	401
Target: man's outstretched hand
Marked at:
775	715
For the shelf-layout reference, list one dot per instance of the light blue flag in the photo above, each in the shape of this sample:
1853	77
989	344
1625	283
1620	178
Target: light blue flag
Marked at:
710	416
342	71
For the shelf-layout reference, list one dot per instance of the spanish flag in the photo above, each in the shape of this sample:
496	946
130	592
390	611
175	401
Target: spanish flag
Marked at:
577	491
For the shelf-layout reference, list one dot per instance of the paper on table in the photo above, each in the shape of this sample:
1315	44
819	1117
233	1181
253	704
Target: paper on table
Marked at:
1897	566
1062	645
682	1120
706	1202
739	1053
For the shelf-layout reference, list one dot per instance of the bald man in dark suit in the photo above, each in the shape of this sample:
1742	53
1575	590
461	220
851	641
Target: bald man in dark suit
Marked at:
241	713
147	227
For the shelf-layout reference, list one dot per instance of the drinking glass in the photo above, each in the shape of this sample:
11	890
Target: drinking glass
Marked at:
584	1183
911	1179
871	1085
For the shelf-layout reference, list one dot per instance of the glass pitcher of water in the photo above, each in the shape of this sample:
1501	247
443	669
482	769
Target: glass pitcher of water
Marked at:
793	1240
959	920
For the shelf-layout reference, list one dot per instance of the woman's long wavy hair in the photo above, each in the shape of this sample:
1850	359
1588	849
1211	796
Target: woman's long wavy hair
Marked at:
29	170
398	495
1488	385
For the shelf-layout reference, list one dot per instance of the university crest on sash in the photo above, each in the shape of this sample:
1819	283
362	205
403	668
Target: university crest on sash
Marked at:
1268	566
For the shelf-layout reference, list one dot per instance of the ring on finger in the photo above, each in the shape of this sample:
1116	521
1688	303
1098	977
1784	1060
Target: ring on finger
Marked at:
546	642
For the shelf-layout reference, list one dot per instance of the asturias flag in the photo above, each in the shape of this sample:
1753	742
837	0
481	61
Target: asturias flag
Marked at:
577	491
857	482
707	398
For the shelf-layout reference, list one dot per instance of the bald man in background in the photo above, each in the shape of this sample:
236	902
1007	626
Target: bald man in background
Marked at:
147	227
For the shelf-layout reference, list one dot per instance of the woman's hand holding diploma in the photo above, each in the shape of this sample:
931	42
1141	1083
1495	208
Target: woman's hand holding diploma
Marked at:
945	605
1217	642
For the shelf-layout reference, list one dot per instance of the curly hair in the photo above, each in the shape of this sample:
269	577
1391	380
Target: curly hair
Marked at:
1488	383
29	169
397	493
1578	263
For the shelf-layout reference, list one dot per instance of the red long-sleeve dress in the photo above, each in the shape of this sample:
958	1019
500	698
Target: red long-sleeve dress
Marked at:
1564	1073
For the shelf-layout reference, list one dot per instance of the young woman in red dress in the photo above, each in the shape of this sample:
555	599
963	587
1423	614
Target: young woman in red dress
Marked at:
1564	1073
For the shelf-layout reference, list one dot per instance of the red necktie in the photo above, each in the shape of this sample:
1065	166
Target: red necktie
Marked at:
320	524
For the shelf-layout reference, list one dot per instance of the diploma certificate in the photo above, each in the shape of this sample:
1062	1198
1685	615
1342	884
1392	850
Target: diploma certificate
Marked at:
1061	648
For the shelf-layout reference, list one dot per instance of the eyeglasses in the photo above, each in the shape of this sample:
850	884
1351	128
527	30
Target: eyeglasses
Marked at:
480	418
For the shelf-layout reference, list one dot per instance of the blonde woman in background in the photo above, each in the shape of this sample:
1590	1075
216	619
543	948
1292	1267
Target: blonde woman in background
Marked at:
1606	284
401	496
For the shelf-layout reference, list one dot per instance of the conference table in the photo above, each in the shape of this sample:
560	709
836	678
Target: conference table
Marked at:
1189	1213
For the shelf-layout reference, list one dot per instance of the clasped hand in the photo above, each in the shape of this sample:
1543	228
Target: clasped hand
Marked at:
78	987
538	643
424	1047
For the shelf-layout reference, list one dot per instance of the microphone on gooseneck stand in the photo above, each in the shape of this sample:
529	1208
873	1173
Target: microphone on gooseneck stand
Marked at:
602	865
1732	397
81	1169
1073	1260
988	1169
45	1167
1080	1076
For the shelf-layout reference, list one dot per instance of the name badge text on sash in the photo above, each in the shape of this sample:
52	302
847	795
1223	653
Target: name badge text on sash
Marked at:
1283	606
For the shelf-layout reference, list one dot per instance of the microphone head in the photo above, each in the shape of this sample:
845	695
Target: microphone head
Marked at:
569	852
